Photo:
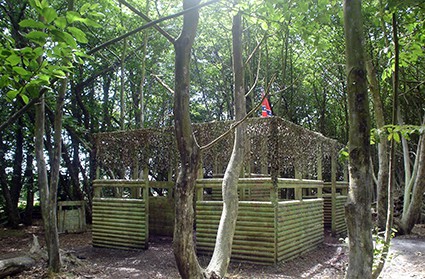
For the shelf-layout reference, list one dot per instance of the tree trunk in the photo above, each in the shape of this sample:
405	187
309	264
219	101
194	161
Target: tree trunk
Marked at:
391	167
122	87
223	246
29	187
48	192
183	243
16	185
383	171
412	213
357	208
11	210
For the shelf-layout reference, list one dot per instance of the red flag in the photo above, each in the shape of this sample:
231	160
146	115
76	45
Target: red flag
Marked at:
265	107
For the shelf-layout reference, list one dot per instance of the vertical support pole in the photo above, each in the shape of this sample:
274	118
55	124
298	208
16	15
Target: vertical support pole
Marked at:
344	190
264	159
319	162
333	182
146	199
96	189
272	155
135	175
320	169
170	193
298	175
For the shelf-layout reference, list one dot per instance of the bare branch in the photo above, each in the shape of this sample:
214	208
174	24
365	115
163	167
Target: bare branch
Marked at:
256	78
237	123
255	49
147	25
163	84
145	17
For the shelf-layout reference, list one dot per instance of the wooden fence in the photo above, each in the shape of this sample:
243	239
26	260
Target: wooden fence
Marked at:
120	214
161	210
334	202
266	231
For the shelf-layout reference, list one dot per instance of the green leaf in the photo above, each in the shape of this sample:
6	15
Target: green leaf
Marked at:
14	59
11	95
33	64
396	137
72	16
85	8
21	71
4	81
60	22
91	23
44	77
59	73
62	36
32	23
37	36
79	35
49	14
69	40
25	98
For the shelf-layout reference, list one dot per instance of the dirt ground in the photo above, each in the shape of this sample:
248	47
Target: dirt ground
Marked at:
327	261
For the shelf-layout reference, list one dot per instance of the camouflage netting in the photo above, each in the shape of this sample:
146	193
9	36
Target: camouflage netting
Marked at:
275	146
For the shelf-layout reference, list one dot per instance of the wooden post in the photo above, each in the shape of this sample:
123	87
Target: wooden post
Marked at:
319	162
145	191
135	175
319	169
298	175
264	159
170	193
333	181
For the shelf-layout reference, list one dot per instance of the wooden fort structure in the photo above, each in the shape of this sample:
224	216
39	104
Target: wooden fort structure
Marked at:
291	189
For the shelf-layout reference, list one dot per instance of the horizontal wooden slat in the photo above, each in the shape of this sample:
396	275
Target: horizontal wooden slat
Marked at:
119	222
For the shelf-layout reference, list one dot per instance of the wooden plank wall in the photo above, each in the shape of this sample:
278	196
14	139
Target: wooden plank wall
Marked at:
254	239
119	223
161	216
300	227
340	225
327	210
249	189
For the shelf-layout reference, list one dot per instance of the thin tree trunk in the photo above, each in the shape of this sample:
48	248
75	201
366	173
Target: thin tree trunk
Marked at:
412	212
11	211
48	192
122	88
223	246
29	187
141	113
358	206
391	167
383	171
183	244
16	185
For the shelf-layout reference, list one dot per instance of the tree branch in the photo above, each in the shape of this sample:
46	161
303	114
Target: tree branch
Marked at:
255	49
237	123
145	17
163	84
256	77
147	25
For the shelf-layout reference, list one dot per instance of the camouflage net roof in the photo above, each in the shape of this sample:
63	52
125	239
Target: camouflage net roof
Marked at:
273	144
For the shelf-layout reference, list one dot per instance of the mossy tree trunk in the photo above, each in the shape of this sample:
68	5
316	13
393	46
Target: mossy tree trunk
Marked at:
183	244
357	209
383	171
